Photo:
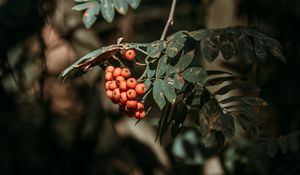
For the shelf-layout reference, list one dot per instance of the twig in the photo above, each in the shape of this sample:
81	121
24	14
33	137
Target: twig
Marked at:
170	20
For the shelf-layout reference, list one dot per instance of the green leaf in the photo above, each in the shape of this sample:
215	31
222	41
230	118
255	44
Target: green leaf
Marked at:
107	10
83	6
89	18
275	49
158	94
170	69
176	44
185	60
150	70
155	48
198	34
194	74
161	66
210	46
169	90
148	83
178	81
261	50
134	3
121	6
227	45
228	128
245	50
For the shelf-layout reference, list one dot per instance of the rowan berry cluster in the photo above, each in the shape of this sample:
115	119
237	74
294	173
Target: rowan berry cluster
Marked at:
123	89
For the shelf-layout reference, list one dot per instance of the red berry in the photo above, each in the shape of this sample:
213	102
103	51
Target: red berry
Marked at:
140	106
131	94
131	104
109	69
117	72
140	88
125	73
119	79
113	85
123	85
142	114
123	98
109	94
116	94
109	76
131	83
130	54
107	85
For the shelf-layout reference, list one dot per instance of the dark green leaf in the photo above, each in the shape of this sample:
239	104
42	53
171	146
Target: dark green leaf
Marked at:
148	83
260	49
89	18
227	45
158	93
210	46
175	45
198	34
134	3
162	66
121	6
184	61
155	48
272	148
194	74
275	49
170	69
228	128
177	36
150	70
169	90
180	113
245	50
83	6
178	81
107	10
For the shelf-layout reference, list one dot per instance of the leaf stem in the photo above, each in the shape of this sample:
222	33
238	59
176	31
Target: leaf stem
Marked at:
169	22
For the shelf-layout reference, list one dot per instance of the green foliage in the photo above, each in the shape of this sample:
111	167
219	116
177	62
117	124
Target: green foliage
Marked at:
107	8
181	88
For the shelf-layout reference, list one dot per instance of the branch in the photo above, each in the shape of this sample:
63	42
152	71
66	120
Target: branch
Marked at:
170	20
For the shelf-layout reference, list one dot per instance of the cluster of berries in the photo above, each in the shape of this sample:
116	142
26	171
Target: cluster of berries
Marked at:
123	89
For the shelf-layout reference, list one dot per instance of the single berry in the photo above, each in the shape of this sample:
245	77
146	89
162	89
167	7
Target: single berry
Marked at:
123	86
125	73
140	106
113	85
109	94
109	76
131	104
140	88
117	72
116	94
107	85
119	79
137	114
123	98
131	94
131	83
130	54
142	114
109	69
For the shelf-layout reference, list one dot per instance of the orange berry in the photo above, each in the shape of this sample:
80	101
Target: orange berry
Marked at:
123	85
109	94
137	114
131	94
117	72
130	54
109	69
142	114
140	88
109	76
131	104
131	83
113	85
125	73
119	79
140	106
107	85
123	98
116	94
